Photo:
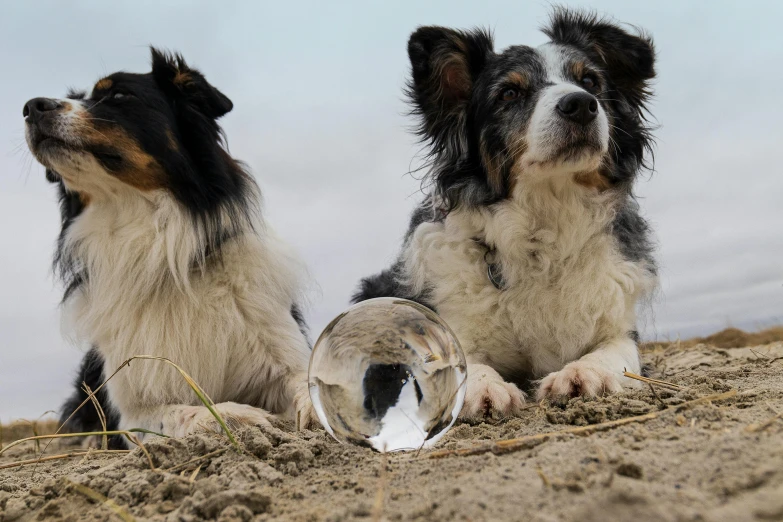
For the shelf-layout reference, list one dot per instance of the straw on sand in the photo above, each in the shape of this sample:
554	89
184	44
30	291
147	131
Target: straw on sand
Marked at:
511	445
200	393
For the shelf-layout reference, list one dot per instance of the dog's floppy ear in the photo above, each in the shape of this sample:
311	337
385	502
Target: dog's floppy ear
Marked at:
628	58
185	84
52	176
444	67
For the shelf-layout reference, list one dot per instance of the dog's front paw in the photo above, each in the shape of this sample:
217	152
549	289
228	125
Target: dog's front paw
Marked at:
191	419
306	418
579	378
489	397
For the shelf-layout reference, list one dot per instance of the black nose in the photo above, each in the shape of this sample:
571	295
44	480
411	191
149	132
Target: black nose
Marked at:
579	107
35	109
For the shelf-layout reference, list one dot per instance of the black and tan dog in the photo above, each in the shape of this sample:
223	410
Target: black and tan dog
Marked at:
163	251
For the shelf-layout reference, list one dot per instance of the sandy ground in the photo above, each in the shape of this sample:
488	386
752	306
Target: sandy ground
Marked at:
717	461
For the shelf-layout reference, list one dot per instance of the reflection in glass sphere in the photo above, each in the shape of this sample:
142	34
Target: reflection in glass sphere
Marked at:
389	374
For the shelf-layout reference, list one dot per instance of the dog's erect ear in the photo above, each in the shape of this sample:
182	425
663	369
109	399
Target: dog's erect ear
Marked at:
444	67
179	81
629	59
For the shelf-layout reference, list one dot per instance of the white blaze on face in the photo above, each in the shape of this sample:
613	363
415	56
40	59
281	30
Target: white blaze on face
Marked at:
66	125
548	132
79	170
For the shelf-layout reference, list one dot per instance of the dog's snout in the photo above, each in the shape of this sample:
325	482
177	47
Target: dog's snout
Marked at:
36	108
579	107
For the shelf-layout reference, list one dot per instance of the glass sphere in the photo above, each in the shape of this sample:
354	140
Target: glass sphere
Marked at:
389	374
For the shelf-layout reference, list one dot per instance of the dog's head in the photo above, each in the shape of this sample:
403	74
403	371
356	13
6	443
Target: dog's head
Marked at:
572	109
144	132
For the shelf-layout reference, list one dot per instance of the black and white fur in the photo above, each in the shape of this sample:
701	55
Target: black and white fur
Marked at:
539	186
164	252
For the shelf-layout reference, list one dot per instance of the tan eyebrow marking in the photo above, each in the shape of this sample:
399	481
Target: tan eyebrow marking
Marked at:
518	79
578	69
103	84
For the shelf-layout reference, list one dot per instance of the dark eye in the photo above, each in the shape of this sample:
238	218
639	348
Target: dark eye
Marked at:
589	82
510	93
118	95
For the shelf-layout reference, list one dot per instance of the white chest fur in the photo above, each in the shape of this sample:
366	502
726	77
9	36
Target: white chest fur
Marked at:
150	291
567	287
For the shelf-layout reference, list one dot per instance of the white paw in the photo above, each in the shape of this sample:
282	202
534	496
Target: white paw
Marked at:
306	418
579	378
488	396
191	419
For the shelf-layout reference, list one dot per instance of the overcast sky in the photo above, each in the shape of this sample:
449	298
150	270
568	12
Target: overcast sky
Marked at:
319	117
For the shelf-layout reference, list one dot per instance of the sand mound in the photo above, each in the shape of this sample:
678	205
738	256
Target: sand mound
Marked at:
720	461
728	338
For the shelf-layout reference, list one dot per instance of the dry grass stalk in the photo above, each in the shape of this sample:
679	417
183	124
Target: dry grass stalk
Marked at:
138	443
101	414
544	478
19	428
193	476
655	394
754	428
200	393
22	428
656	382
90	397
129	434
34	426
73	454
109	503
511	445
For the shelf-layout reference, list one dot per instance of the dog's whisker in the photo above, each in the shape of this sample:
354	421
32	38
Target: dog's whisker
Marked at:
615	127
97	119
81	126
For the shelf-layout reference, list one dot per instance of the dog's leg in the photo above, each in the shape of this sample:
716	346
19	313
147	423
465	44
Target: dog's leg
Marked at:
181	420
302	407
488	396
599	372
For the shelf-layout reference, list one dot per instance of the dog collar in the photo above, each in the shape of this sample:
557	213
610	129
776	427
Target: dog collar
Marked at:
494	273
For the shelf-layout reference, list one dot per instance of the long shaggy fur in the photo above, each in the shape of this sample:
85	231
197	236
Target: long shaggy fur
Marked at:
515	182
164	251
